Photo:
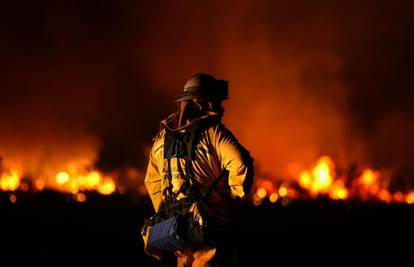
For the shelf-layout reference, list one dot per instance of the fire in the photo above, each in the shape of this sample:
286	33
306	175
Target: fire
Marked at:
368	177
13	198
385	196
339	191
62	177
39	184
283	191
107	187
261	192
369	183
410	198
73	180
322	180
321	174
91	181
9	181
80	197
273	197
305	179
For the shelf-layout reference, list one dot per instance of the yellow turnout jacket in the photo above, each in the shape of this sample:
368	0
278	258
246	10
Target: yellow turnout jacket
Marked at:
217	150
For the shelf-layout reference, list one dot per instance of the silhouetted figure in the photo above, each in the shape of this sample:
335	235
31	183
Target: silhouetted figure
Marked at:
198	174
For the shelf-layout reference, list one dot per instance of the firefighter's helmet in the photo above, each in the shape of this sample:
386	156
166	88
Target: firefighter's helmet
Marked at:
204	86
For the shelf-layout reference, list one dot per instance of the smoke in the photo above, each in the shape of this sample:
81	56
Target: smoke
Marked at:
90	80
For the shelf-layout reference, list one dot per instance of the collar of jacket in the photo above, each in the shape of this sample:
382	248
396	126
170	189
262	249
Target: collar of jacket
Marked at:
166	123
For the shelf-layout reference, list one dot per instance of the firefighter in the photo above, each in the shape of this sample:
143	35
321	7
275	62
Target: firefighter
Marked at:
194	156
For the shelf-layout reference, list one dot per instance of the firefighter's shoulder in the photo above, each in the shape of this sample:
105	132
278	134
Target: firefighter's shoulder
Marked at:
160	135
221	133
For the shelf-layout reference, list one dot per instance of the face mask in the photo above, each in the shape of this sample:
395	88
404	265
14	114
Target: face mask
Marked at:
188	110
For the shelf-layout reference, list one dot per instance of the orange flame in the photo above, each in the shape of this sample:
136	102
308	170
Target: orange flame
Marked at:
107	187
321	179
9	181
65	181
75	182
339	191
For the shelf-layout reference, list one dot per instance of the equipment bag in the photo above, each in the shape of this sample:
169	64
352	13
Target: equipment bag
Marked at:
180	231
168	235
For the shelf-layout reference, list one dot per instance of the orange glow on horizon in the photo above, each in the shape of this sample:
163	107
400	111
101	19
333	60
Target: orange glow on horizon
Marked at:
320	180
64	181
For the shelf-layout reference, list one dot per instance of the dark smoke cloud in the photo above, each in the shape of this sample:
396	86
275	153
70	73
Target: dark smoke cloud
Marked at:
91	79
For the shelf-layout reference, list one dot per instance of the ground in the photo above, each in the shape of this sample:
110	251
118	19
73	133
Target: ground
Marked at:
52	229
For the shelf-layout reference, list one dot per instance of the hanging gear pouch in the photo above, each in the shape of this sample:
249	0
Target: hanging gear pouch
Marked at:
177	233
169	235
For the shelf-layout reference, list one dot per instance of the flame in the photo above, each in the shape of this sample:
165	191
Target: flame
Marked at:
39	184
80	197
321	174
62	178
283	191
369	177
369	183
67	181
261	192
339	191
91	181
410	198
273	197
107	187
13	198
319	180
9	181
384	196
322	180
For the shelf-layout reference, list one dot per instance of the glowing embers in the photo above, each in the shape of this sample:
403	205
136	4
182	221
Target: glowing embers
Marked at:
13	198
323	180
273	197
39	184
319	180
263	187
93	180
9	181
107	186
369	185
410	198
338	191
62	178
274	192
80	197
65	181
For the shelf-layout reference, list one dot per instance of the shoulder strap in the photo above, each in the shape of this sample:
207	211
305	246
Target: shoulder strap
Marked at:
168	194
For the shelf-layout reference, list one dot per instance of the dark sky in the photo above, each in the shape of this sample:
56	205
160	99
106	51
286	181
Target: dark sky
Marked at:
91	79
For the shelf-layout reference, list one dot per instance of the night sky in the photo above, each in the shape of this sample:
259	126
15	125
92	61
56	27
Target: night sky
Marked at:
92	79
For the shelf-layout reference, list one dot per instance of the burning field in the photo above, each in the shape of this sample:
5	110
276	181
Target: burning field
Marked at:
48	226
320	93
322	179
323	211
